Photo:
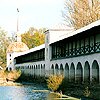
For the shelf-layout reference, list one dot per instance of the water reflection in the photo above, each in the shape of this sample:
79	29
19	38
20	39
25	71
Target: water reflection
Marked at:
21	93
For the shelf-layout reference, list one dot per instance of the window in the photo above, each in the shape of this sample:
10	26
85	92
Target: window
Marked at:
10	55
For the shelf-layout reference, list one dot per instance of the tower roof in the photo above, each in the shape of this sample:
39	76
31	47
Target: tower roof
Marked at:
17	47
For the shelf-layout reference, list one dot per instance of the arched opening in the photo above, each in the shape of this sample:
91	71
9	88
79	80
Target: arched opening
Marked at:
72	73
61	70
95	71
28	67
28	70
79	73
38	70
10	69
34	71
87	72
56	69
66	72
43	68
52	69
32	66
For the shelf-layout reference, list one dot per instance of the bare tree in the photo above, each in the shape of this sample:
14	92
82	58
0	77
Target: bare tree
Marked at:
79	13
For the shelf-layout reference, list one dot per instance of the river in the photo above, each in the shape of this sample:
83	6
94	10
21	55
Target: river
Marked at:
24	92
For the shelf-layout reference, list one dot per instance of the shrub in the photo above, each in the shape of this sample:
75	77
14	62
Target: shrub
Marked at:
86	92
54	81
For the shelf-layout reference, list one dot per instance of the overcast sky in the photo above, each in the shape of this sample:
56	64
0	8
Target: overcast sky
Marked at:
32	13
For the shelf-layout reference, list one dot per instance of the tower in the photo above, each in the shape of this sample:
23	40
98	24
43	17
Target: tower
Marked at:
15	49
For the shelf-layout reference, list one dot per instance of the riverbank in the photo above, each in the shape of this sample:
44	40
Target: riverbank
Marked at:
12	75
86	91
9	83
69	88
7	78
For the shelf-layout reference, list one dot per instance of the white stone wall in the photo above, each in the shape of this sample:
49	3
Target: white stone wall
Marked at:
28	68
10	59
82	59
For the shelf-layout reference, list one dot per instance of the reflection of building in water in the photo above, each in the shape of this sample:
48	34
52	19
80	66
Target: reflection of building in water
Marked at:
75	54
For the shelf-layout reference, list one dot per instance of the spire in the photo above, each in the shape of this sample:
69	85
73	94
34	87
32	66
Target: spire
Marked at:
18	35
17	20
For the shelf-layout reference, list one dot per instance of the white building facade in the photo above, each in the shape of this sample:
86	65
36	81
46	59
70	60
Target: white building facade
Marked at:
74	54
